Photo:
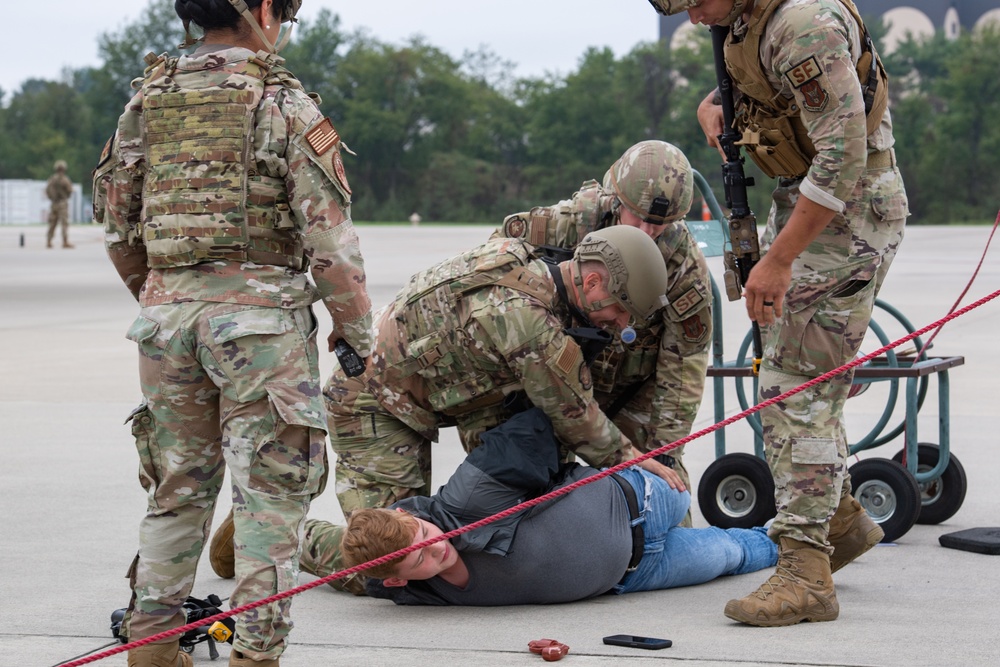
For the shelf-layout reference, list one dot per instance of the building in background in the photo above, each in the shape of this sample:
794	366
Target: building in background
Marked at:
24	202
917	17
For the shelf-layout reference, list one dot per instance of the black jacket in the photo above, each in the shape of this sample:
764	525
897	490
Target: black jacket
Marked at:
519	460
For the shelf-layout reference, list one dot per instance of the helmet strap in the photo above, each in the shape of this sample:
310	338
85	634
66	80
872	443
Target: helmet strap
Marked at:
241	7
738	7
588	306
189	39
579	315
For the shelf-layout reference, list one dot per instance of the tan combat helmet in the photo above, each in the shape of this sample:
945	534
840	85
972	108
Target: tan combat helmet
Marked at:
653	180
637	273
670	7
60	165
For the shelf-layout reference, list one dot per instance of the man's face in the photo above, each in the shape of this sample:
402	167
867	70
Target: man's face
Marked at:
613	315
652	230
710	12
428	562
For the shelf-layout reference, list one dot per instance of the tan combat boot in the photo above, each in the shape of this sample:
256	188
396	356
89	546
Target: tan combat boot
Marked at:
221	552
852	533
159	655
801	589
236	659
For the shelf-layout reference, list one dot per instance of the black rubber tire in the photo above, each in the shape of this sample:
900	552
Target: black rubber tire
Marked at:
737	491
942	497
889	493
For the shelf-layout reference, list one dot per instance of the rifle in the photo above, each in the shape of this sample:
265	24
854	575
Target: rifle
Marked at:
744	250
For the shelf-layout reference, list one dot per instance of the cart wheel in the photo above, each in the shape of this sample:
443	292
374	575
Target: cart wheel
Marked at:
889	493
187	648
940	498
737	491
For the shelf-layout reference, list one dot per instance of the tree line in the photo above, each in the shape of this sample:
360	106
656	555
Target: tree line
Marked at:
461	139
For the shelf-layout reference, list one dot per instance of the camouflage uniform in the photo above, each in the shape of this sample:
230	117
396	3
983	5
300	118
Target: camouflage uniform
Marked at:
226	334
809	54
59	189
664	369
456	345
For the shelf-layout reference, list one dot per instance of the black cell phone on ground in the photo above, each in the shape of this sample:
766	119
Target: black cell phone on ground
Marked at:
633	641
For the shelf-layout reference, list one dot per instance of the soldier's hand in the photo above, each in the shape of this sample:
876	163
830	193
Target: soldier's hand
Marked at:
662	471
765	290
711	120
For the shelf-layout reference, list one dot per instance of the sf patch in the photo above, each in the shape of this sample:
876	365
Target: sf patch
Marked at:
806	77
685	302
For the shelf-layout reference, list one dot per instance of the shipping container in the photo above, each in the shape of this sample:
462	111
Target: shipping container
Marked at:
24	202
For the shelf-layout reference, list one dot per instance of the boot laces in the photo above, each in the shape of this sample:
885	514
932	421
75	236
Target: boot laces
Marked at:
786	571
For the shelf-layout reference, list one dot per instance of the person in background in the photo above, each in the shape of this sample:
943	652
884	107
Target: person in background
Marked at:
59	189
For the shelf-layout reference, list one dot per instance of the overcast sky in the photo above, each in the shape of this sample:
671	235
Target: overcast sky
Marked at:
537	35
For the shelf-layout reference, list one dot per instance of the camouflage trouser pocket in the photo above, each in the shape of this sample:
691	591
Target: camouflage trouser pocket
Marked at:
145	445
393	457
351	427
825	334
290	450
814	451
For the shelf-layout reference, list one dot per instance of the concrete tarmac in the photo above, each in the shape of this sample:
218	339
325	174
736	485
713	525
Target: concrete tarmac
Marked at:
71	501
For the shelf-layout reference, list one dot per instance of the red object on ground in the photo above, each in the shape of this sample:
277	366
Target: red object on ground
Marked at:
549	649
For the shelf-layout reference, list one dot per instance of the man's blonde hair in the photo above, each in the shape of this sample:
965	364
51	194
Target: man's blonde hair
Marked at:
373	533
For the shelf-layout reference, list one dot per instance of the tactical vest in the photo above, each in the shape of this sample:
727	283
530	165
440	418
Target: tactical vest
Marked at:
773	133
203	197
430	313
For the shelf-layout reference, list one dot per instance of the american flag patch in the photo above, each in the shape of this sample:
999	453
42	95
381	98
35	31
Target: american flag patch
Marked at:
569	356
323	137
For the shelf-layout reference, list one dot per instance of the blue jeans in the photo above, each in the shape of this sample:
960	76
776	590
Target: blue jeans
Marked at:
675	556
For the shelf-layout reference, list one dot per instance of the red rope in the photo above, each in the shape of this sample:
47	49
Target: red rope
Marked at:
926	346
530	503
961	296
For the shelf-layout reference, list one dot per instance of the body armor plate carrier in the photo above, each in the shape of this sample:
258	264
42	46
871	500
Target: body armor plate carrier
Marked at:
773	134
203	198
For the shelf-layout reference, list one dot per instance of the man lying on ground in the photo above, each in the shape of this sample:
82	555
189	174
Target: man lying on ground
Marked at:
619	534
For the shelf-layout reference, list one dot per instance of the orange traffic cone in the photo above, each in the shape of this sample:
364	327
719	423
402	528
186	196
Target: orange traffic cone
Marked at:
705	213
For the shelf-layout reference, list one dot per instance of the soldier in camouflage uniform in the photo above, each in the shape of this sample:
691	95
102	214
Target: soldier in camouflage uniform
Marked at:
462	340
59	189
813	110
652	387
216	236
